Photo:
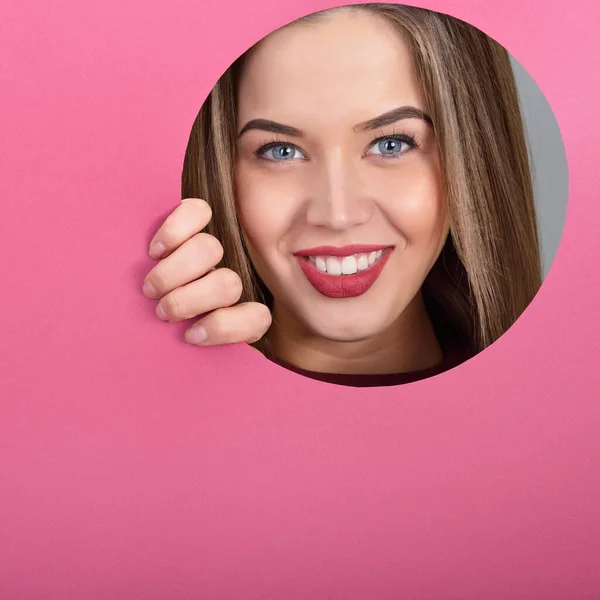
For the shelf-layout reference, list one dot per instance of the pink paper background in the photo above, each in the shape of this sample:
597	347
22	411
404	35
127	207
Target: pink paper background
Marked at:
133	465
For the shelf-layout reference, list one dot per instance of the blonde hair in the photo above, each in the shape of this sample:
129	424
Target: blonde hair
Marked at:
489	269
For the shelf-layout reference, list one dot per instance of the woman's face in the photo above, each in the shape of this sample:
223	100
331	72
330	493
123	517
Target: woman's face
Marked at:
341	228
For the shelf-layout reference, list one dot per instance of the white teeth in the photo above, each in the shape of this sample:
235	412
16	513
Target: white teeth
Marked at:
333	266
363	263
349	265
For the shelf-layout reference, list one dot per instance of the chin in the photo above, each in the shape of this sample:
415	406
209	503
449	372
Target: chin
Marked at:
345	330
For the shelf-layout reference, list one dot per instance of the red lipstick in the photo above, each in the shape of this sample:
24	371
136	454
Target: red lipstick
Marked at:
342	286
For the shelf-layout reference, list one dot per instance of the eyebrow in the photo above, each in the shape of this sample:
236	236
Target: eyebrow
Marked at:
387	118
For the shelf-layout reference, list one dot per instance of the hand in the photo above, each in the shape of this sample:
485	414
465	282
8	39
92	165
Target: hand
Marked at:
188	284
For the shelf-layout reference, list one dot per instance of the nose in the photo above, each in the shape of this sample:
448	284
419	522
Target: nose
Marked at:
337	197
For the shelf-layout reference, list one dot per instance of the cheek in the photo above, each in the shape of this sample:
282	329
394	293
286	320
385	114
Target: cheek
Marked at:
418	207
264	215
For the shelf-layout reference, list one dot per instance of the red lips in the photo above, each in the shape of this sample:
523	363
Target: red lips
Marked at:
342	286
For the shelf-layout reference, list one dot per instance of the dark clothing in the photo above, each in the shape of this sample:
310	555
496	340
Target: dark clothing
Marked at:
453	356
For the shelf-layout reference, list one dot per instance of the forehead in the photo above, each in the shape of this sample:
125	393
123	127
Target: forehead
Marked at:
344	65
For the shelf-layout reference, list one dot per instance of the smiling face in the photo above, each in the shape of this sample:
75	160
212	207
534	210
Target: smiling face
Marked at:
331	179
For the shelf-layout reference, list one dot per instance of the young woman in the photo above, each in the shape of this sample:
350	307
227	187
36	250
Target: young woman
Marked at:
361	178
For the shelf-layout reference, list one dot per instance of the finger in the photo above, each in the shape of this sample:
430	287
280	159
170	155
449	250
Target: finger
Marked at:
246	322
192	260
189	218
218	289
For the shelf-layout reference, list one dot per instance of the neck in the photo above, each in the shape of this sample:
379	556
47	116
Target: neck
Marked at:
408	345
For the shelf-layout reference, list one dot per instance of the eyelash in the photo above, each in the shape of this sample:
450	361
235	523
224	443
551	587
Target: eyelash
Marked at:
410	140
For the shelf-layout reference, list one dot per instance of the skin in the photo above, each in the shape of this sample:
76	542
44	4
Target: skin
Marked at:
336	187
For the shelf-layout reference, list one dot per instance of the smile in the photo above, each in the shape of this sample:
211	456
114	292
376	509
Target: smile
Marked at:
343	272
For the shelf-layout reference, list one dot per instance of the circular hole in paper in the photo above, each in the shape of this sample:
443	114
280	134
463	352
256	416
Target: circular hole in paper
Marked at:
390	181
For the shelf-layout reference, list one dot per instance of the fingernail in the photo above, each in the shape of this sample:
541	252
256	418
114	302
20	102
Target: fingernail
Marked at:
156	250
148	289
196	335
162	315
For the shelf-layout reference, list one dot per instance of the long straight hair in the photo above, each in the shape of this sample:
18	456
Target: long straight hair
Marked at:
489	269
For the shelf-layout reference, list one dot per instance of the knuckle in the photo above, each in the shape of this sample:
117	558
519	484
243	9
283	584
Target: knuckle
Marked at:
205	209
159	280
231	285
265	319
263	322
218	326
169	234
212	246
172	307
201	206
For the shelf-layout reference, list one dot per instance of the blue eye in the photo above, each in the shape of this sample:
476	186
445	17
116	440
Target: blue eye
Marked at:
390	146
280	151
